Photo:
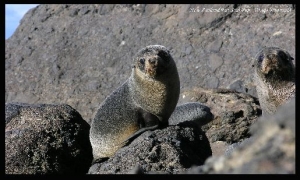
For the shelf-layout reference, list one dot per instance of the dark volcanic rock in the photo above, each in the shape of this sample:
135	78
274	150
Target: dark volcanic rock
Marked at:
168	150
77	54
46	139
239	86
271	149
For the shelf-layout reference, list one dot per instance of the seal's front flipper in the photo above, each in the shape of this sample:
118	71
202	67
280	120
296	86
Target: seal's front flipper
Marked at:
136	134
146	121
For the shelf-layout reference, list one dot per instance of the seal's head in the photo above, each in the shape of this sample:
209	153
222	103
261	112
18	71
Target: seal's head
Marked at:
274	63
153	61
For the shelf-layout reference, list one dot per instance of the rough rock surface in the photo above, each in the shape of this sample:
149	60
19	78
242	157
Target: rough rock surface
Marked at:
233	112
46	139
78	54
271	149
168	150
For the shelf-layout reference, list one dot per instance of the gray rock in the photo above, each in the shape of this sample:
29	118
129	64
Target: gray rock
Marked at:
46	139
215	46
168	150
212	82
238	86
231	148
215	62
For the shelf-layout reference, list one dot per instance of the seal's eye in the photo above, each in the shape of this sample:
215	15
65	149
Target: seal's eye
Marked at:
260	58
142	61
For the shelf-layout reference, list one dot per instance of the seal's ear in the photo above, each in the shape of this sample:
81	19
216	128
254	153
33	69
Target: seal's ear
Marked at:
164	55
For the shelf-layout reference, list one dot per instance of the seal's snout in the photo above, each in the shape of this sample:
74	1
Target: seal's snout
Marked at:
151	67
268	64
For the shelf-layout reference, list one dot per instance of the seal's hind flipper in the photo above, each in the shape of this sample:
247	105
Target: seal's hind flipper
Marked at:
100	160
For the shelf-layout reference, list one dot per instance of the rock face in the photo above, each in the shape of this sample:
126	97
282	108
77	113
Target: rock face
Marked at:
78	54
271	150
46	139
169	150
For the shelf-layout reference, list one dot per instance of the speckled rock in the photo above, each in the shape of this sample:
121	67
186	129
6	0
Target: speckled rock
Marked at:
233	112
46	139
271	149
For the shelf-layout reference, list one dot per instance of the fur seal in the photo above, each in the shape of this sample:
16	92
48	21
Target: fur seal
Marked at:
145	101
274	77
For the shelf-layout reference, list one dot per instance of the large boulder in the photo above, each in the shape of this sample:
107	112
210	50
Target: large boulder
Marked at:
46	139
